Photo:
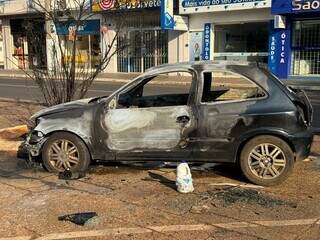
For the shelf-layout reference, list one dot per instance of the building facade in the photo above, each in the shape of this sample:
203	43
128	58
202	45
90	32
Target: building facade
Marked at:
295	39
19	24
228	30
148	43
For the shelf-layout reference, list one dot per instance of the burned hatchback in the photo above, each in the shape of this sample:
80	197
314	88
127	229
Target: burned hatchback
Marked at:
220	112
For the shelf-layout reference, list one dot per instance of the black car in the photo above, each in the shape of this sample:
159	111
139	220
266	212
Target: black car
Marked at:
216	112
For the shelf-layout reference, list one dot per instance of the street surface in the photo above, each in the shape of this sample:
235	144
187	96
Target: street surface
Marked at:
28	90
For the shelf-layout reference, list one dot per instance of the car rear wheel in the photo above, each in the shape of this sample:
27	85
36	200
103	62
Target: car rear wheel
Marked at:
65	151
266	160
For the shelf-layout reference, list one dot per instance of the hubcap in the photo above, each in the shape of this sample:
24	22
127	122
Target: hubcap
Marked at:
267	161
63	155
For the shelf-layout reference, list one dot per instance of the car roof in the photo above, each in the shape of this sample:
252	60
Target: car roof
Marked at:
201	64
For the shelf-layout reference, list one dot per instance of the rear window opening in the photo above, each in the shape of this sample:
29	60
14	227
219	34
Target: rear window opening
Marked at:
223	86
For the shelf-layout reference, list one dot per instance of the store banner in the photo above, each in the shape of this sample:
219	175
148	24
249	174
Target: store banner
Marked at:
279	51
111	5
170	21
86	27
193	6
206	41
295	6
167	20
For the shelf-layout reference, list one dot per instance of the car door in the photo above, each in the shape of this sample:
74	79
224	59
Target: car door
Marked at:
151	126
226	110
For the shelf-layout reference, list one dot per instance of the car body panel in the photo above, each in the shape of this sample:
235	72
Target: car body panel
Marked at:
215	131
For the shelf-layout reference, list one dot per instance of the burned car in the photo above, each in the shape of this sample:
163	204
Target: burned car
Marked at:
221	112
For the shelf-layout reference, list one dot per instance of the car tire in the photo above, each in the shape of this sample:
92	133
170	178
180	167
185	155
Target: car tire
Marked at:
266	160
74	153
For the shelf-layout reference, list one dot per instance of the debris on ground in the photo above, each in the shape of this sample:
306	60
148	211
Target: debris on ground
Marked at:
14	132
69	175
78	218
230	196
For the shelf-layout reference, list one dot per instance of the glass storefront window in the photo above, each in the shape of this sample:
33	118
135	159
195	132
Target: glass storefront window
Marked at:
88	52
29	42
306	48
247	42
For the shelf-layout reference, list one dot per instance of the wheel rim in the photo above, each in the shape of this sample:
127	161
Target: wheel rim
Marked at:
63	155
267	161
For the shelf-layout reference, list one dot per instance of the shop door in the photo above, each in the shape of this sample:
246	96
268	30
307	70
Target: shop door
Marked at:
306	48
146	49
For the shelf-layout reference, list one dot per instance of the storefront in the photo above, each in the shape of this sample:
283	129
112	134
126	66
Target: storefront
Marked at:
88	43
24	43
295	39
228	30
145	44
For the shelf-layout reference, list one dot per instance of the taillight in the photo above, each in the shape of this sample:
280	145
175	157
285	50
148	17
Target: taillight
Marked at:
301	116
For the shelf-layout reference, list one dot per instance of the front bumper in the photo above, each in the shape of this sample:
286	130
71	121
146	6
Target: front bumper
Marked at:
32	146
302	144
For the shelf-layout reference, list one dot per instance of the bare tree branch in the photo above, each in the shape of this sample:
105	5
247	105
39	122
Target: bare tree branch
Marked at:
67	75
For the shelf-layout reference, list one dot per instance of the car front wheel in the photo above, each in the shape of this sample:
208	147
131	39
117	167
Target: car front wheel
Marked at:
65	151
266	160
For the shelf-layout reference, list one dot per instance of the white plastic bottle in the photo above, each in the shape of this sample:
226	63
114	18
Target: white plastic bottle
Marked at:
184	178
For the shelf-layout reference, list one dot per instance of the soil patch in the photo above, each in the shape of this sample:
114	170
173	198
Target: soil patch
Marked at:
16	113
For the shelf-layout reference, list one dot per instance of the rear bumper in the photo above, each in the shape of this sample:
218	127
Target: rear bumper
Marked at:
302	142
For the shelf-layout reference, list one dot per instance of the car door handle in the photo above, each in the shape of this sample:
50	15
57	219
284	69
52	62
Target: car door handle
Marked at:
183	119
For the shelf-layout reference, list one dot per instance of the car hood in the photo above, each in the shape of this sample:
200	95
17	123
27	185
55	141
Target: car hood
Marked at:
63	107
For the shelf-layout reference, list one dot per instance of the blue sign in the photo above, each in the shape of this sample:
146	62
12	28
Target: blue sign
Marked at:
279	51
87	27
206	41
205	3
166	16
295	6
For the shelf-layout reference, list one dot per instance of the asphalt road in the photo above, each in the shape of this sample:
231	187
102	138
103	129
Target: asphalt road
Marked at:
27	90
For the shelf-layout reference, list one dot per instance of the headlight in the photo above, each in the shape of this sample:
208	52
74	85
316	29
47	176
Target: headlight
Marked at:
35	137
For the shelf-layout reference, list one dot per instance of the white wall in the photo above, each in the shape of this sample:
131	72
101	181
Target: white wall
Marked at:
9	61
178	50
